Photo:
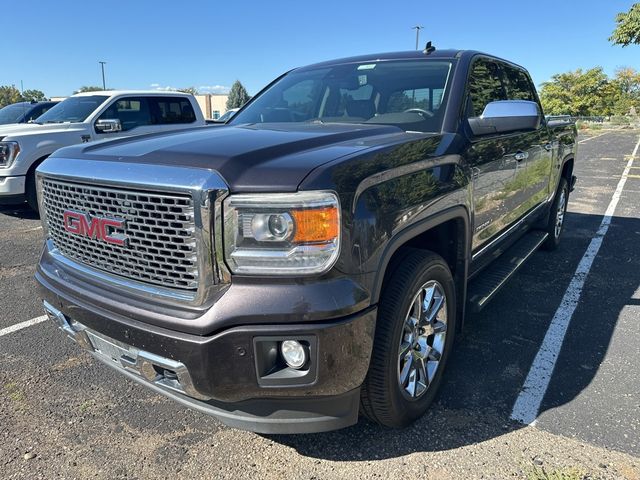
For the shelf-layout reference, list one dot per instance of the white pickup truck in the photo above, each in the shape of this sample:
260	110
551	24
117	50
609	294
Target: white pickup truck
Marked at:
86	117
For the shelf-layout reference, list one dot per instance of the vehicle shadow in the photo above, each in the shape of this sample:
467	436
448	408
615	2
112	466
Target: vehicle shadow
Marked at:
493	356
19	211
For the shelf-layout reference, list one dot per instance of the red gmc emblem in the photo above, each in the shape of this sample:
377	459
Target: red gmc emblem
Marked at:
99	228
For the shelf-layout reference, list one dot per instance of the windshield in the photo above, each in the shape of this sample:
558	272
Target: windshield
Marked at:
409	94
13	113
73	109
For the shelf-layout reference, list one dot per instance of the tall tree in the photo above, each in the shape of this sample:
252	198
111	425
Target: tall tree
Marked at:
8	95
88	88
626	91
33	96
580	93
238	96
627	30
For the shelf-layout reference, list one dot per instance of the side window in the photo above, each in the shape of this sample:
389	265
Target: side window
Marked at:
44	109
517	84
171	110
37	111
131	111
484	87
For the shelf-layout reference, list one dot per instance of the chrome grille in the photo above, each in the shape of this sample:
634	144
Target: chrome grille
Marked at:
160	230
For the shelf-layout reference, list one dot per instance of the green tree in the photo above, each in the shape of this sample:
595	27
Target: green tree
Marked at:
580	93
88	88
627	30
238	96
8	95
626	91
33	96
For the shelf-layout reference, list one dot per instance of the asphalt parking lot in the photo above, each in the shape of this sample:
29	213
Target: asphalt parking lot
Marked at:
63	415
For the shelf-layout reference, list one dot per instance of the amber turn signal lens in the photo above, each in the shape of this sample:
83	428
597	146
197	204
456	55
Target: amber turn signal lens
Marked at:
316	225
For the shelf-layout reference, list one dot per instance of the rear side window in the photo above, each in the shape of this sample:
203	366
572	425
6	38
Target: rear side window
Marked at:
485	87
171	110
131	111
518	85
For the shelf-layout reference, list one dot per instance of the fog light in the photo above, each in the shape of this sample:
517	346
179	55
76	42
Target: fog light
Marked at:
294	353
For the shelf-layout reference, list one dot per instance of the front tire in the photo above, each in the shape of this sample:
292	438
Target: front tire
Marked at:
414	336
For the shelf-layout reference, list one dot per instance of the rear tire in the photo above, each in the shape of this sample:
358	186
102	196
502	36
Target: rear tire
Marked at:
414	336
557	215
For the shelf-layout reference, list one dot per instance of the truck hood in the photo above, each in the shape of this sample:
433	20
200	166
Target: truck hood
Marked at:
264	157
21	129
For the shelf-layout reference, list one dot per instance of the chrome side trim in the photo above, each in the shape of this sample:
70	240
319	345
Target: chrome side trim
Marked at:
504	234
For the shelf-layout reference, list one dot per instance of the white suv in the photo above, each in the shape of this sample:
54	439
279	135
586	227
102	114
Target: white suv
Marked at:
86	117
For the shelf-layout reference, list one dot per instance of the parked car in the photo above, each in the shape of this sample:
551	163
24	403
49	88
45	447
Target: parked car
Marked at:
313	259
83	118
23	112
226	116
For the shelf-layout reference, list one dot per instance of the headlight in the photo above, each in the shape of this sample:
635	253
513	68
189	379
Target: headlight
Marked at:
282	233
8	153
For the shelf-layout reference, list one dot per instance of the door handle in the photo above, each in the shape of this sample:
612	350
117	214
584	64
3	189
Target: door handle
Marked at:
548	147
520	156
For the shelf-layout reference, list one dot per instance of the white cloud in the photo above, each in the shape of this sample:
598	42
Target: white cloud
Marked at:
160	88
213	89
201	88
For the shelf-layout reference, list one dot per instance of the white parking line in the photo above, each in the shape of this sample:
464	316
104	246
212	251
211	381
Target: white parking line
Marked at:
20	326
527	404
591	138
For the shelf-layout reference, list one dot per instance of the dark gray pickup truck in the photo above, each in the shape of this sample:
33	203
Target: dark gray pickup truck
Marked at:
313	258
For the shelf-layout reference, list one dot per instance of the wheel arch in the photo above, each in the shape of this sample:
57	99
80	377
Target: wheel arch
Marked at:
447	234
567	168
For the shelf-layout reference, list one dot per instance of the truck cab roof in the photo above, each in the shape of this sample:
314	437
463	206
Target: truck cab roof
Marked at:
114	93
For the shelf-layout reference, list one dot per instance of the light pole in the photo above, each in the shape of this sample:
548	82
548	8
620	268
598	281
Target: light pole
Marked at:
104	85
417	28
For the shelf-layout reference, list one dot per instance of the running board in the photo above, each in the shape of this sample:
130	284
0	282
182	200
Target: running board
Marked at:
492	279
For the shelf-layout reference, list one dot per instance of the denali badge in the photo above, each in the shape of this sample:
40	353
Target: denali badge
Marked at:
99	228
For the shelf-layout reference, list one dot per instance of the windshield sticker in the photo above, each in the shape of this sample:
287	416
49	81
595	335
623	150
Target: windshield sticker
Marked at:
362	80
368	66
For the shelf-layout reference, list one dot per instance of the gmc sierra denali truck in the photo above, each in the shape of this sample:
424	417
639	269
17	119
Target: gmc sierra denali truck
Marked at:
83	118
311	259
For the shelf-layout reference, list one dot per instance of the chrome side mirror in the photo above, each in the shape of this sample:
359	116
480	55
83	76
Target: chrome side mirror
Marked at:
506	116
108	126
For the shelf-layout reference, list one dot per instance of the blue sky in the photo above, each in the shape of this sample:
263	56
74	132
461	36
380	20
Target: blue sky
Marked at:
54	46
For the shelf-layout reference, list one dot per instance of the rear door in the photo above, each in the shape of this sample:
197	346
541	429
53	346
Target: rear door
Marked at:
508	168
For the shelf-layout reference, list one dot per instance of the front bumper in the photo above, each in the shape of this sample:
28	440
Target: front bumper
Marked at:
12	190
221	374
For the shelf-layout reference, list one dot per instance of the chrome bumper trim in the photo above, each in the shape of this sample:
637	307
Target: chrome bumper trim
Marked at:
147	366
